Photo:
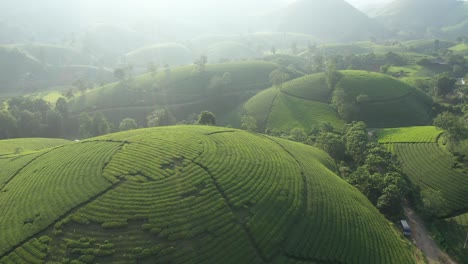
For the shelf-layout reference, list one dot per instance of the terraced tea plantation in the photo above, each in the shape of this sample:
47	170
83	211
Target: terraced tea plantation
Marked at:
188	194
220	88
427	164
23	145
305	102
420	134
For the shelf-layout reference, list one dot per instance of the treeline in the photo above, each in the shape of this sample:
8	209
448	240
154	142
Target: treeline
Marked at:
26	117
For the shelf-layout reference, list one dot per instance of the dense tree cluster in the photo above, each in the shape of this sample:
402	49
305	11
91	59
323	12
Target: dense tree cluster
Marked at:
26	117
363	163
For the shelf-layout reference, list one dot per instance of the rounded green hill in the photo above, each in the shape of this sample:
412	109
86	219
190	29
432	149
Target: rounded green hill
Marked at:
188	194
377	99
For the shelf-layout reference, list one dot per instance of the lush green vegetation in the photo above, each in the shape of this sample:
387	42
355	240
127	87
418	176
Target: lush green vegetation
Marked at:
189	193
452	233
380	100
289	112
422	134
430	167
311	87
21	145
219	88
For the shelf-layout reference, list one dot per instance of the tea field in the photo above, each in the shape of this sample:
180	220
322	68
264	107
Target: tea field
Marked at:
188	194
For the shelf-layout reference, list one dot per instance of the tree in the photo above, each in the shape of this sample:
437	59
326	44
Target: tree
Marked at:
331	143
249	123
160	117
119	74
8	125
152	69
200	64
333	76
206	118
298	134
390	200
278	77
86	125
62	106
54	124
29	124
356	140
453	125
128	124
444	85
80	85
100	125
273	50
384	68
69	94
433	203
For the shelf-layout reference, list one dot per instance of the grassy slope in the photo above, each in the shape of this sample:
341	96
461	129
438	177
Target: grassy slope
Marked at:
56	55
423	134
428	166
303	102
183	92
200	194
9	146
391	103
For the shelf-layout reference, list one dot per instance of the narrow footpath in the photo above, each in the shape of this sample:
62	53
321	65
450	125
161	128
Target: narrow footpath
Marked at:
423	240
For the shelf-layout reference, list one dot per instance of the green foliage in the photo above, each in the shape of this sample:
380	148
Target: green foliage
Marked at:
160	117
186	187
249	123
331	143
278	77
127	124
8	125
433	203
444	85
206	118
452	234
356	140
453	125
298	134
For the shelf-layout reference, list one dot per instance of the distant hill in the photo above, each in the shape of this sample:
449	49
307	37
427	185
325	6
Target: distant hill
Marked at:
229	50
22	72
173	54
188	194
220	88
334	20
418	17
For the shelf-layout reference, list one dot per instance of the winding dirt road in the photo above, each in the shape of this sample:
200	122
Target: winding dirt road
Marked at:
424	241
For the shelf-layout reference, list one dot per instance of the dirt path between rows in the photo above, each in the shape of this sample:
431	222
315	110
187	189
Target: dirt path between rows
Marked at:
424	241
